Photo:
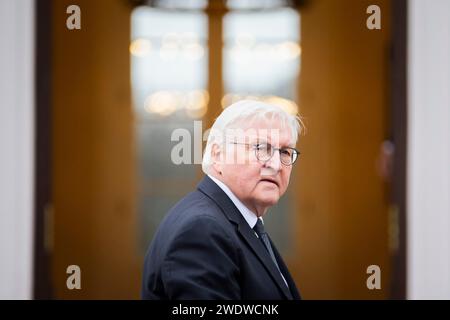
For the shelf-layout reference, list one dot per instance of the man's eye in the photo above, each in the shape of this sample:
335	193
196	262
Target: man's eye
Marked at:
286	152
262	146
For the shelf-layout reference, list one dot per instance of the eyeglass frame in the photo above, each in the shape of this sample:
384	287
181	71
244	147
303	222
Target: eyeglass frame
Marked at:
273	151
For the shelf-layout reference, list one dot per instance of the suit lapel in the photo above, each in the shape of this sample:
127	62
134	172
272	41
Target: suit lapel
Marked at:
263	255
213	191
286	273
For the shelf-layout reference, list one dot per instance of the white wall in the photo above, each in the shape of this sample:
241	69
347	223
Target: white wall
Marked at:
16	147
428	172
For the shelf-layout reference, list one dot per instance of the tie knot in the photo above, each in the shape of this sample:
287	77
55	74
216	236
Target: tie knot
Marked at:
259	227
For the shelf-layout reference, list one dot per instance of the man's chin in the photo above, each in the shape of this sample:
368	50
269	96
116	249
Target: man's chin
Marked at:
269	199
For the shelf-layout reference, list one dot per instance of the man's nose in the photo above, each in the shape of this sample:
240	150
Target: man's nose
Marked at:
274	162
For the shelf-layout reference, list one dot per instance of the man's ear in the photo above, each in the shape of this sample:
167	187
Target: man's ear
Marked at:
216	156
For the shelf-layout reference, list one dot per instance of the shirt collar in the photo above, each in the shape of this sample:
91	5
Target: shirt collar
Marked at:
248	215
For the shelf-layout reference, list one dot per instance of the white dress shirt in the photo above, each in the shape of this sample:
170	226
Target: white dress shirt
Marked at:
248	215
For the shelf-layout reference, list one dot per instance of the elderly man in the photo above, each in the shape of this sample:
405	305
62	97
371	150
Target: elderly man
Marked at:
212	243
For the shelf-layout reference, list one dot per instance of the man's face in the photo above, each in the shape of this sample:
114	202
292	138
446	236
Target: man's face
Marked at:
256	183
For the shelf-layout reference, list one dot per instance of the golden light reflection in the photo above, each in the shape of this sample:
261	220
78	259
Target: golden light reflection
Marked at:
165	103
185	45
288	50
197	103
245	50
162	103
230	98
140	47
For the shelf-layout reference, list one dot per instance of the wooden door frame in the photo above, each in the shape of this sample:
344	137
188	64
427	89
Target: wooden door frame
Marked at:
399	138
42	288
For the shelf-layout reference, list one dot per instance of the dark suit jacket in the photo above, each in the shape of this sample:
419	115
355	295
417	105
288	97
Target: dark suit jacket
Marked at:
205	249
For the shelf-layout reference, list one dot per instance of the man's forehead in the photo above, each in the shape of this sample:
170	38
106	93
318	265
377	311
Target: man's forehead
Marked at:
270	135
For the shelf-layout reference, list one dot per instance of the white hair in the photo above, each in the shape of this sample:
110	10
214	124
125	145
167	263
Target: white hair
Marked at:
245	111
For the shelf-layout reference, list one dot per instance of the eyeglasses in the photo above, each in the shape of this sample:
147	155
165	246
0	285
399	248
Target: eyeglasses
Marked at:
264	152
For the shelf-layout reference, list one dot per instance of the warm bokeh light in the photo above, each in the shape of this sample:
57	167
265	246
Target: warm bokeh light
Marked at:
288	50
229	99
162	103
165	103
246	48
140	47
197	103
185	45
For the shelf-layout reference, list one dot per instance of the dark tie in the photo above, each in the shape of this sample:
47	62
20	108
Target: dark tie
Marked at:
262	234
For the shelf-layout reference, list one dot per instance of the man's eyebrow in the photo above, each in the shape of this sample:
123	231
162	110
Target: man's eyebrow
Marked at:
266	141
258	140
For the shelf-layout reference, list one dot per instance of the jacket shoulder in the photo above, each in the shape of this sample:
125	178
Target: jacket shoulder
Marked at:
194	206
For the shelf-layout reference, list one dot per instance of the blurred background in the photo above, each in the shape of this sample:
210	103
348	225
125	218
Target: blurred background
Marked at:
87	116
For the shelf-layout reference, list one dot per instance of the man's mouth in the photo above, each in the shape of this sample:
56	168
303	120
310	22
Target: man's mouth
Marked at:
270	180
